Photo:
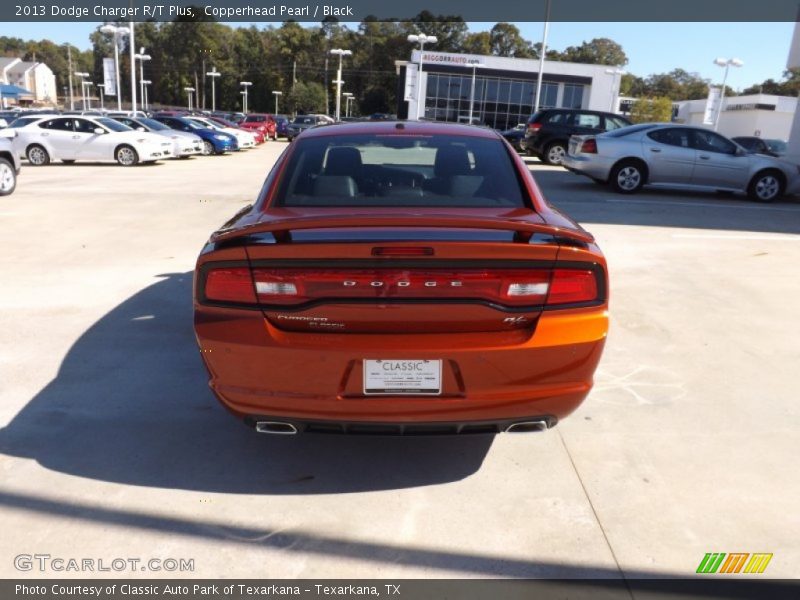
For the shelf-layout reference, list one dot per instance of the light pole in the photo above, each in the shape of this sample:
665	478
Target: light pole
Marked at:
145	101
543	52
117	32
83	87
141	57
102	88
276	93
189	91
341	53
213	73
727	63
614	87
421	39
245	85
347	97
475	66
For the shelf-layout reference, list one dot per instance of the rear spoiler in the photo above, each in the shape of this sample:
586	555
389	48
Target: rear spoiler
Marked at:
282	228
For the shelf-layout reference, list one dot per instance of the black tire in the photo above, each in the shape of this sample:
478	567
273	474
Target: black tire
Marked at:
126	156
208	148
68	162
766	186
37	155
627	176
8	178
554	153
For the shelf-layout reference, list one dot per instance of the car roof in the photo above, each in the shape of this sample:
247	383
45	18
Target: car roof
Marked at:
400	128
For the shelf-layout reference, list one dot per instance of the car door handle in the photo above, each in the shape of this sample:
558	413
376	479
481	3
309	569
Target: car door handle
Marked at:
655	149
76	137
704	157
45	134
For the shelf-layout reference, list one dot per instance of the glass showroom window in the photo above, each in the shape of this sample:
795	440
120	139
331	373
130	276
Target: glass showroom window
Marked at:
573	96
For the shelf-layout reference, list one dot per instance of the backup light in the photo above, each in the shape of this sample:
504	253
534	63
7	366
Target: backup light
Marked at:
275	288
527	289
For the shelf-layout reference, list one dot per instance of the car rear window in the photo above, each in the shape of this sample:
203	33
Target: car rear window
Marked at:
255	119
400	170
630	129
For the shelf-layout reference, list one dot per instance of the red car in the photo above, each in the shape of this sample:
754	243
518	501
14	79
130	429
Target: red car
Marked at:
257	133
400	278
260	122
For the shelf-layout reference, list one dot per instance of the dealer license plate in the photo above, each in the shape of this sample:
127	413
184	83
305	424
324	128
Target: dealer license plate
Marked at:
398	377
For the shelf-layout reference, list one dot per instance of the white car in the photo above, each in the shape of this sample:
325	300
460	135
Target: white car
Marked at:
183	144
9	166
69	138
245	138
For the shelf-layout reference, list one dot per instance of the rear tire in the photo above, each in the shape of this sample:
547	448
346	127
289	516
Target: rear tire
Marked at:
627	177
208	148
8	178
37	155
126	156
766	186
554	153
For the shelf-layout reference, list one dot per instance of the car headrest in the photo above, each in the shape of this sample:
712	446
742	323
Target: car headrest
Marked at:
343	161
451	160
335	186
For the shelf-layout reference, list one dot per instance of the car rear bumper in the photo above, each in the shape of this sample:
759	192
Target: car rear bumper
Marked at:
595	167
259	371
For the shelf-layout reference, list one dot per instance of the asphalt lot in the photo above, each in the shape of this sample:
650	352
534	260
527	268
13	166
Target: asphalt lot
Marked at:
113	447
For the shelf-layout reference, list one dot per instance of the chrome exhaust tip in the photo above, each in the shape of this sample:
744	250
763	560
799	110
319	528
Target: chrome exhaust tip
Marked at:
275	428
528	426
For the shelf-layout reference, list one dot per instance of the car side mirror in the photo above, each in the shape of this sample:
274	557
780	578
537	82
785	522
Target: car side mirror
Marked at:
99	130
740	152
141	129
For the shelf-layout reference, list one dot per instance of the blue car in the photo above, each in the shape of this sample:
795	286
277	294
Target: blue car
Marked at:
281	125
214	141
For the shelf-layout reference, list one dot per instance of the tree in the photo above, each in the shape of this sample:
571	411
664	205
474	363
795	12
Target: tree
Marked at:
306	98
652	110
790	86
599	51
506	40
479	42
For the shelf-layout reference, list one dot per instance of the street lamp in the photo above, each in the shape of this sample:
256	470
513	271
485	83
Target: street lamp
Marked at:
341	54
727	63
614	87
83	77
117	32
213	73
102	89
347	97
189	91
146	84
276	93
245	85
141	57
421	39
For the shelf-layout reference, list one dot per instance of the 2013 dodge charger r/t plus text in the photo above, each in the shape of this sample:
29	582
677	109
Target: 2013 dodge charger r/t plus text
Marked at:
400	278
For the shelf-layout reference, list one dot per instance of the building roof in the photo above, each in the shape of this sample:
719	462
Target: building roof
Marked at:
13	91
6	61
22	66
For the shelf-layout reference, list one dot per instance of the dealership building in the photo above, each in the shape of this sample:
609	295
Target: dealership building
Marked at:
504	88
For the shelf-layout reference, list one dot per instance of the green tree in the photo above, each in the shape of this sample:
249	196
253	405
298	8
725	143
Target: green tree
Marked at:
506	40
306	98
652	110
599	51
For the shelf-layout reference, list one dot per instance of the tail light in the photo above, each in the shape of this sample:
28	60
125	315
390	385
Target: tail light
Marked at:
508	287
534	127
589	146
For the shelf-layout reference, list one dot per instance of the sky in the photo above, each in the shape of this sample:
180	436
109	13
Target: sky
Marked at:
650	47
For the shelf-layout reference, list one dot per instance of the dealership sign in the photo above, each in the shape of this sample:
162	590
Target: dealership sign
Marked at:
109	77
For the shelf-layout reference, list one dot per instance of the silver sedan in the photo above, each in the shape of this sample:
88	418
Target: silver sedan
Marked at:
663	154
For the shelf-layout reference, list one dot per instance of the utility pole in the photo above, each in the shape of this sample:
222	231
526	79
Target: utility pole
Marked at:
69	58
294	73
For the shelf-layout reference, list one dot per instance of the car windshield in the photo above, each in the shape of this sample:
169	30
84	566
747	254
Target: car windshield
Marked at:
225	122
303	121
112	124
153	124
629	130
206	124
777	146
400	170
255	119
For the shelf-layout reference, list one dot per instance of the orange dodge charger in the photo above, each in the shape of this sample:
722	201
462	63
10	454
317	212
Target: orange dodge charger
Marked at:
400	278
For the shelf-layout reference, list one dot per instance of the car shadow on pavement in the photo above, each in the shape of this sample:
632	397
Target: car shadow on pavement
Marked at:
589	202
130	404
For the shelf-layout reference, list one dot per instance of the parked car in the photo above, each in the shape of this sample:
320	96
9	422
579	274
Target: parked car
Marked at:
262	122
757	145
387	283
662	154
514	135
69	138
281	126
214	142
9	167
183	144
548	131
302	122
258	137
244	138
